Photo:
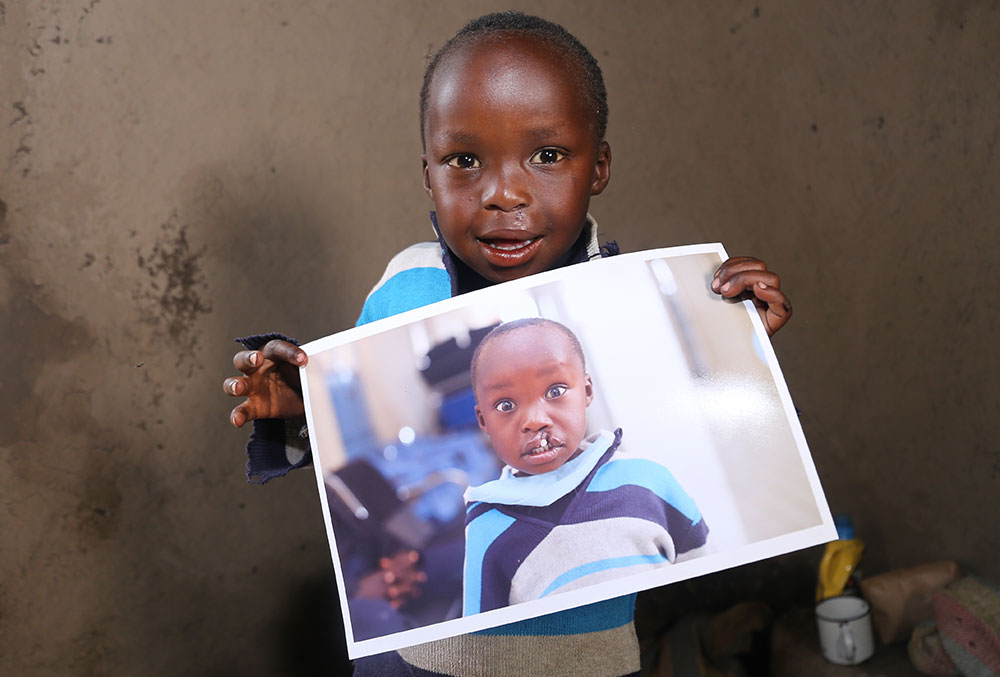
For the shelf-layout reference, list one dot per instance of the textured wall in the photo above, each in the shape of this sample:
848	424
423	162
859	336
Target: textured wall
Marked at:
173	174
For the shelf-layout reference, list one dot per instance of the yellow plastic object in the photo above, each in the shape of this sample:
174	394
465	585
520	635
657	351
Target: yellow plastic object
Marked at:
839	561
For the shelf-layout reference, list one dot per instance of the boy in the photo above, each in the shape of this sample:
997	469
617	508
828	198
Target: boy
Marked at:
513	115
564	514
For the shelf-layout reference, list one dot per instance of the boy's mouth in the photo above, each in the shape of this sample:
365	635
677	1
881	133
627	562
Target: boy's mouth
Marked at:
541	449
509	245
507	252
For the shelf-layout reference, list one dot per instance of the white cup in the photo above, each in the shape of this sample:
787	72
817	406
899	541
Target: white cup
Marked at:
845	630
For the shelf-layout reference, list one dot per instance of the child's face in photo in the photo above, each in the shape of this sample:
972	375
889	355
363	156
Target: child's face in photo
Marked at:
511	156
532	396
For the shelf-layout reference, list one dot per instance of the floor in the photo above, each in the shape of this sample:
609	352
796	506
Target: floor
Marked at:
796	653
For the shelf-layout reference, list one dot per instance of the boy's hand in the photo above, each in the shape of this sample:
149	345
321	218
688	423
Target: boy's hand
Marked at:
397	580
744	277
270	382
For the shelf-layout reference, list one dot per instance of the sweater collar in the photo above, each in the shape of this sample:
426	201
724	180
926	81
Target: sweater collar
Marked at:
547	488
464	279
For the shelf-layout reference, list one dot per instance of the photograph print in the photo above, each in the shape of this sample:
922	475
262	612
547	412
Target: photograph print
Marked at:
551	442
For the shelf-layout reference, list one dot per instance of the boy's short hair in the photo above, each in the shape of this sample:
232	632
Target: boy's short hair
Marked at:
551	33
514	325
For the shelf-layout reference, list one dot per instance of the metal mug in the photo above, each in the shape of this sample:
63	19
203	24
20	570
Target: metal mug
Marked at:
845	630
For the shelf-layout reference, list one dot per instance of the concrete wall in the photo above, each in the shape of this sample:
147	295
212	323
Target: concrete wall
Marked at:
173	174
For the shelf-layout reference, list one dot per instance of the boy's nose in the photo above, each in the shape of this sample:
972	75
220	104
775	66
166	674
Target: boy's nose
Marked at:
506	189
536	418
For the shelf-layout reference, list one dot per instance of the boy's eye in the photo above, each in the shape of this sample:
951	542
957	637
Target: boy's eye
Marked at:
505	406
555	391
546	156
464	161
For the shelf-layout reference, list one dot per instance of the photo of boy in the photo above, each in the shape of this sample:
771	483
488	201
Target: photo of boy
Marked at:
565	513
534	459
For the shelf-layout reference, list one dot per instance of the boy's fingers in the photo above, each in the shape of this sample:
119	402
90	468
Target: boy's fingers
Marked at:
773	297
241	414
735	266
732	267
779	308
247	361
740	282
744	261
235	386
283	351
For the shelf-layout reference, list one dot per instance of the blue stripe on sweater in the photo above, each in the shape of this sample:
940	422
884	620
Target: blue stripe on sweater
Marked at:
649	475
602	565
406	290
596	617
489	526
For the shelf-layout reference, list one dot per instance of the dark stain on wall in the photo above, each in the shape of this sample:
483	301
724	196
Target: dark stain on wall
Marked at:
735	28
170	299
88	9
4	228
35	337
99	511
92	650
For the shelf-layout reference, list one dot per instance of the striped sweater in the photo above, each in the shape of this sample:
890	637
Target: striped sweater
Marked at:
602	517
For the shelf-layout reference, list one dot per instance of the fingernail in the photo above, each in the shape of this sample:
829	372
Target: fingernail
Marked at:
726	286
232	419
232	387
253	358
300	358
762	285
715	284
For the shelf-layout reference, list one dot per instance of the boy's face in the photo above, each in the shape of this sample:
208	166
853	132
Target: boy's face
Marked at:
511	158
531	398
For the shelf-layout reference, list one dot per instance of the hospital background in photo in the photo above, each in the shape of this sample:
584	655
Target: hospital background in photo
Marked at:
679	370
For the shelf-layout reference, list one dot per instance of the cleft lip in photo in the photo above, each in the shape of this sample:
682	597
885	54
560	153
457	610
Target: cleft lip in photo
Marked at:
540	444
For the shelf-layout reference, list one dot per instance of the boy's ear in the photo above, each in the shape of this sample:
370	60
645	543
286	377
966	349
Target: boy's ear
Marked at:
479	419
588	386
602	169
427	177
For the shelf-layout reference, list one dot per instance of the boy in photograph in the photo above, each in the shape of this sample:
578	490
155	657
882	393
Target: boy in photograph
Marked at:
565	512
